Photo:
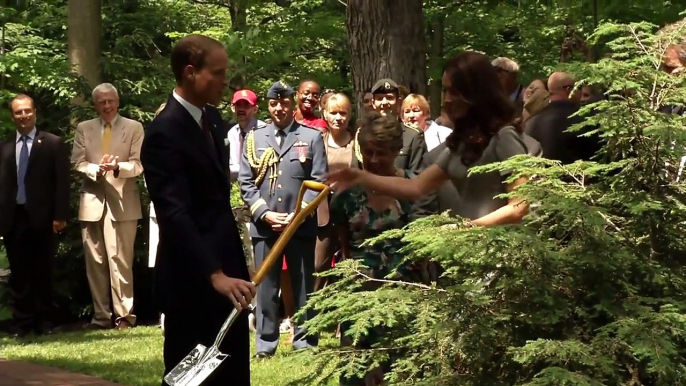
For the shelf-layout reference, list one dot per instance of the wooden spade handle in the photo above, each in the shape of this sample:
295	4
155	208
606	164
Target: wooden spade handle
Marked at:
300	215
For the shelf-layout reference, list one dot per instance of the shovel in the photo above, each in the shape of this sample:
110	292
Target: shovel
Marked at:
202	361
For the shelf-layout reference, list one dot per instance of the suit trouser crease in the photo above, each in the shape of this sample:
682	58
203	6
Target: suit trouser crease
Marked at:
108	246
300	260
30	252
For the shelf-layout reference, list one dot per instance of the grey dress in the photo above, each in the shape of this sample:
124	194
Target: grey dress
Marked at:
477	191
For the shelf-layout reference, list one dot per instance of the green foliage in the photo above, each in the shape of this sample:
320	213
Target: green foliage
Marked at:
588	291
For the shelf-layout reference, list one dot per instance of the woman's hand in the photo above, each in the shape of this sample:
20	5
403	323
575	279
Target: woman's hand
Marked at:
345	179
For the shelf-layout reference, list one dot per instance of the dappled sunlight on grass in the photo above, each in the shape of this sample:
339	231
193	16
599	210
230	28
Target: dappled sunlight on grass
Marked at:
133	357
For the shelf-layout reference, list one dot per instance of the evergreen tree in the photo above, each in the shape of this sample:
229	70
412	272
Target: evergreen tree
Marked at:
588	291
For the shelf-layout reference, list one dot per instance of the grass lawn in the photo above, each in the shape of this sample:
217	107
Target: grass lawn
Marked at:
132	357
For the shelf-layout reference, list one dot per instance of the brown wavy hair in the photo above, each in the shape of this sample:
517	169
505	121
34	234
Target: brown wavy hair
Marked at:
475	80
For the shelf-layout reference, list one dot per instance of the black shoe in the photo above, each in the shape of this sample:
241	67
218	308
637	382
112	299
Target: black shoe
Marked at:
45	328
19	333
262	355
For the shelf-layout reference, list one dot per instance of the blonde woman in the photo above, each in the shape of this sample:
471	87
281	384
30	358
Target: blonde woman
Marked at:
415	111
339	152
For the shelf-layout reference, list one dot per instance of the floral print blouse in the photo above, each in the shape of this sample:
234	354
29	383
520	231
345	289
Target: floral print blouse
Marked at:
351	207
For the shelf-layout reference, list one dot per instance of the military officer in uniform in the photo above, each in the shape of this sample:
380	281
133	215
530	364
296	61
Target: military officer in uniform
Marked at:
276	160
385	95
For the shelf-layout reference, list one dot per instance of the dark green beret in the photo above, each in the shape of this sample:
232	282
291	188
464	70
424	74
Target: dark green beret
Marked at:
384	86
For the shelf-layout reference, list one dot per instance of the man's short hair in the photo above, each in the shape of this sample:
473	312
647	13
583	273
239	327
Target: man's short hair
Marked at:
506	64
19	97
191	51
105	88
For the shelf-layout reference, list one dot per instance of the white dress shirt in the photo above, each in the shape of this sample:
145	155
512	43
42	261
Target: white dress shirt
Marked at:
436	135
234	140
29	143
102	123
195	111
285	131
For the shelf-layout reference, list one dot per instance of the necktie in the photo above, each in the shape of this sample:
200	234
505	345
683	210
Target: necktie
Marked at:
21	170
279	137
106	138
241	141
208	135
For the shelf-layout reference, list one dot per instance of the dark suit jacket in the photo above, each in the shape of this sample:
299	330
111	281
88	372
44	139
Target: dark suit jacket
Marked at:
550	129
47	182
191	194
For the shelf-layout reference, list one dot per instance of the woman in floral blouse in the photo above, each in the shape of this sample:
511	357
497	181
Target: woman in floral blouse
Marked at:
360	214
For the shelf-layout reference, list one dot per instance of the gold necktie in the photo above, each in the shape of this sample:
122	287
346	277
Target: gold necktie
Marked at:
106	138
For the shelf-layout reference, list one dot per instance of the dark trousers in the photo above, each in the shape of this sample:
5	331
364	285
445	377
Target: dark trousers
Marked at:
30	251
300	260
184	331
323	254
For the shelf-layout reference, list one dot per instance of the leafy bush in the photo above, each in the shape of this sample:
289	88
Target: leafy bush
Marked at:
589	291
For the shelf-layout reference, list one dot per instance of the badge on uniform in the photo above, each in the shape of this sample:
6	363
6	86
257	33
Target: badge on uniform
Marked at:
301	148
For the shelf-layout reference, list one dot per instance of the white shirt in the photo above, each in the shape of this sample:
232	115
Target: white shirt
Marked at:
234	140
280	139
436	135
102	123
29	143
195	111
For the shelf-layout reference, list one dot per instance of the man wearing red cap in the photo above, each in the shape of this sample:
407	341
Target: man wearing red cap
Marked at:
244	105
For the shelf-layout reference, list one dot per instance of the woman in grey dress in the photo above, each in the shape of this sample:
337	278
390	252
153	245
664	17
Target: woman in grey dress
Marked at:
482	116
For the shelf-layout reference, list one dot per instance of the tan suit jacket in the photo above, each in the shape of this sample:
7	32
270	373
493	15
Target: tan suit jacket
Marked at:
116	190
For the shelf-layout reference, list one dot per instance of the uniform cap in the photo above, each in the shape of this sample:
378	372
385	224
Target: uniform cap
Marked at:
385	85
280	90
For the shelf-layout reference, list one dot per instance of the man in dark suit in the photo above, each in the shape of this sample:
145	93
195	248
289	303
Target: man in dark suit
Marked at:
34	207
296	153
550	127
200	271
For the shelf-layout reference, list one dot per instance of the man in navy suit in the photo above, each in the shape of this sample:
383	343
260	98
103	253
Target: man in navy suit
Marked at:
34	207
201	272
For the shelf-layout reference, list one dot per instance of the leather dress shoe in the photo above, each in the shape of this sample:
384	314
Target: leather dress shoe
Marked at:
262	355
124	324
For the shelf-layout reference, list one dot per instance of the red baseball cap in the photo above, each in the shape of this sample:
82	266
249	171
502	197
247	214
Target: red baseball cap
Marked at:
244	95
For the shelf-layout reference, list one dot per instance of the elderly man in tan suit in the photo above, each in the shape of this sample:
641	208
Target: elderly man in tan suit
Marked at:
106	154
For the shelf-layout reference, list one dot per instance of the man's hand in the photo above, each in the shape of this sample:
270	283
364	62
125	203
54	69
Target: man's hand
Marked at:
278	221
240	292
58	225
280	227
108	163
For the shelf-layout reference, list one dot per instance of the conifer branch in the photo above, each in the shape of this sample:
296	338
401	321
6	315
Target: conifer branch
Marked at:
419	285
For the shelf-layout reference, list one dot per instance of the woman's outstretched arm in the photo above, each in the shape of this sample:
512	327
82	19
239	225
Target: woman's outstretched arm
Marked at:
397	187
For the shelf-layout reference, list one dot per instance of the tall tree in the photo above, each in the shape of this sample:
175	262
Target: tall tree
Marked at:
386	40
84	35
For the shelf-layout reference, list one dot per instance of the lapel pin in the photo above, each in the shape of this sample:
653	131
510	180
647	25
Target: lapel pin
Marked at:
39	141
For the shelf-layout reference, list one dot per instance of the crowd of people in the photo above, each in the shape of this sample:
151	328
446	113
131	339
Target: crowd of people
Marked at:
394	164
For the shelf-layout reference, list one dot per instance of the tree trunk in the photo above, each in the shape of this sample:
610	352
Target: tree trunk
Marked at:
436	32
386	40
84	35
